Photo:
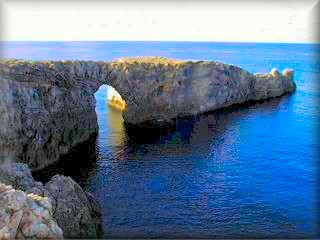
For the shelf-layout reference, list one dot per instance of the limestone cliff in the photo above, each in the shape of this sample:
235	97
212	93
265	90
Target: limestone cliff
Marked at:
47	107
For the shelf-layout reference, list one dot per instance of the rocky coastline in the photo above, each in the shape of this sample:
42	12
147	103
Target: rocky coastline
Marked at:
48	107
57	209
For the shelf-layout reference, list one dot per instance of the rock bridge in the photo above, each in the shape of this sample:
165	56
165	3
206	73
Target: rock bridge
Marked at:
47	107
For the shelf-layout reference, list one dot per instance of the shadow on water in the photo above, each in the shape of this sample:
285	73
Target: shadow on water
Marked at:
180	166
200	130
78	163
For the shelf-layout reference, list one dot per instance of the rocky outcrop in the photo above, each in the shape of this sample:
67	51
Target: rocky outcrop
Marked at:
76	211
60	203
48	107
26	215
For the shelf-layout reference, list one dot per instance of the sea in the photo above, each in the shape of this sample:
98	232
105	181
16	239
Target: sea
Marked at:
242	172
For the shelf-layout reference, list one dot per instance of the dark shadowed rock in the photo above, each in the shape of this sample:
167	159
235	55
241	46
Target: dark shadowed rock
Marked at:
75	211
43	114
17	175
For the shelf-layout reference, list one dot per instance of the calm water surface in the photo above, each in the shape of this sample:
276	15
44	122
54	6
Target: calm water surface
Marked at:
244	172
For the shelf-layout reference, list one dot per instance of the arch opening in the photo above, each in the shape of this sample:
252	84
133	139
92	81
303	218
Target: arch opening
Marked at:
111	96
111	131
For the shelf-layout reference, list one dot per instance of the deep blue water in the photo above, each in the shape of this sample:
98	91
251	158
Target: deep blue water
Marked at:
243	172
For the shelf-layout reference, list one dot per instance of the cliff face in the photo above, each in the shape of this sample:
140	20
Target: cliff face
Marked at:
48	107
43	114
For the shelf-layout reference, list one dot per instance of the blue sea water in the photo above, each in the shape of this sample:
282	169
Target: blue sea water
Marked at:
244	172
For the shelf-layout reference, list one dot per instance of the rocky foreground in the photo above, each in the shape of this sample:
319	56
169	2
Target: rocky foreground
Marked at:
57	209
47	107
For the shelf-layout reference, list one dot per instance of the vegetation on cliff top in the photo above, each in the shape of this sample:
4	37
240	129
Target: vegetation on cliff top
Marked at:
151	60
144	60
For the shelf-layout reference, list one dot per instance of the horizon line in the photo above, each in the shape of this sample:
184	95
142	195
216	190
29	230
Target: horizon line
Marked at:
184	41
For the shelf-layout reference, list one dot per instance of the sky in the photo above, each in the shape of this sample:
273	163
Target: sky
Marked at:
160	20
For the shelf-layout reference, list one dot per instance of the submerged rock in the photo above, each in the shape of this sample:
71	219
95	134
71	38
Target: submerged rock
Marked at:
58	208
48	107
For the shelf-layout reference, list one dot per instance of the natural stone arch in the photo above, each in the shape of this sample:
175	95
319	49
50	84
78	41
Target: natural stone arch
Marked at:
47	107
159	89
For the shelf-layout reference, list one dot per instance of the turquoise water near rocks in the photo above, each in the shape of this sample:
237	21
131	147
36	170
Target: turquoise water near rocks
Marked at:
250	171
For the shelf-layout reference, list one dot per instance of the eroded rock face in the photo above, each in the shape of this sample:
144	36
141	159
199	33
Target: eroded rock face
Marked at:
71	210
48	107
161	89
43	114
